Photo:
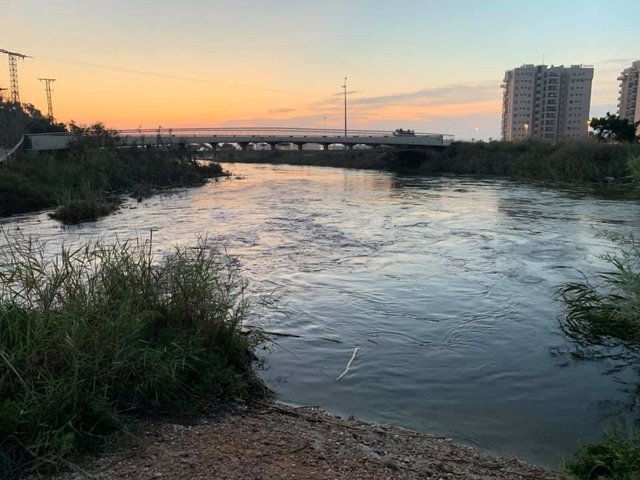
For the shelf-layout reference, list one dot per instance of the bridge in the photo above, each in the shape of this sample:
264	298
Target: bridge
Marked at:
253	138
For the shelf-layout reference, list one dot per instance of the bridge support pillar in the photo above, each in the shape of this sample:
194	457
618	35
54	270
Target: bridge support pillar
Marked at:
325	146
274	146
349	146
300	145
244	146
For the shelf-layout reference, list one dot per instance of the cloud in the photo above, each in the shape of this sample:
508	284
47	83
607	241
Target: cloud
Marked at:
616	61
282	110
442	95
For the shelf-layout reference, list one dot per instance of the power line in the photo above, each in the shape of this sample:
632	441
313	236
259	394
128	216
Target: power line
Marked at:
179	77
47	83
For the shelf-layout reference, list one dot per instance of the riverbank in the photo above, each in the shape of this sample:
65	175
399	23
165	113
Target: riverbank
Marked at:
274	441
86	183
571	162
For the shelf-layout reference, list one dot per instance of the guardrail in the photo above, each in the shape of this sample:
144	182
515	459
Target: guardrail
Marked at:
11	153
276	131
248	135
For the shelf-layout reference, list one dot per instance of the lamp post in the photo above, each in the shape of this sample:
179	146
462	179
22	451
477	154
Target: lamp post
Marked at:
526	130
345	106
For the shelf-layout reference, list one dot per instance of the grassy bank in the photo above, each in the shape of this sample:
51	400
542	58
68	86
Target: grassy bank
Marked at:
568	162
85	182
102	334
361	159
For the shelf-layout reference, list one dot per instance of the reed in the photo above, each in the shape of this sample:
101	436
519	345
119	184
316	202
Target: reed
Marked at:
602	319
102	333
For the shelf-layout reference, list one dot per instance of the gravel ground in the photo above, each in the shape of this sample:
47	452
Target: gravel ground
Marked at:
281	442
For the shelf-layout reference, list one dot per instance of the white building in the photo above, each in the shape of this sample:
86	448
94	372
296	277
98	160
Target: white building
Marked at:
545	102
629	98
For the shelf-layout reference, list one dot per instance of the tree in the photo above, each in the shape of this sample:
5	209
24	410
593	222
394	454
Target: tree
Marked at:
612	127
16	120
93	136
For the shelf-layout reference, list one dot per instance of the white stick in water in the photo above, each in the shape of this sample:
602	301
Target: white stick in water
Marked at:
348	364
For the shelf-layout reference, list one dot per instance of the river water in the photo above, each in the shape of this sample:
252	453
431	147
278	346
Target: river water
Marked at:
444	284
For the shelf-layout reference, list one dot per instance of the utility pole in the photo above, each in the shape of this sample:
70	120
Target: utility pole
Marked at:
47	84
345	106
1	94
13	74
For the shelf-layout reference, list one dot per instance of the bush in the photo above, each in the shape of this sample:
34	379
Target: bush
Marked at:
101	333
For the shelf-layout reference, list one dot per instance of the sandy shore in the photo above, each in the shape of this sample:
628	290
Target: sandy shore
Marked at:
281	442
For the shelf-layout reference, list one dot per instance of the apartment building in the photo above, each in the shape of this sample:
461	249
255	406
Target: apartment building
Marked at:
546	102
629	98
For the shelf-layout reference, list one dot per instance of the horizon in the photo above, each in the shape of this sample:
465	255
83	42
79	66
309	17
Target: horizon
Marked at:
207	64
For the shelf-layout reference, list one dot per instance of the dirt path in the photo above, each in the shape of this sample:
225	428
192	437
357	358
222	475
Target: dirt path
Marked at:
280	442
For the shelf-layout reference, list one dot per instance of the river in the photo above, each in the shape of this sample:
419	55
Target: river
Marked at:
445	284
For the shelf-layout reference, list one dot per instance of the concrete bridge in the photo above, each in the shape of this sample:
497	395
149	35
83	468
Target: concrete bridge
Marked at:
254	138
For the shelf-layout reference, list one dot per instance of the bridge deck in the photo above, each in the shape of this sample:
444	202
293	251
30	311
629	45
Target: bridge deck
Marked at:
247	136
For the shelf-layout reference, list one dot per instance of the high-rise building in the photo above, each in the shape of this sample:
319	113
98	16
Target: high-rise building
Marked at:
629	99
546	102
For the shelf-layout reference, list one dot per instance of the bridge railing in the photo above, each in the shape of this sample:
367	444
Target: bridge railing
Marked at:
11	153
276	132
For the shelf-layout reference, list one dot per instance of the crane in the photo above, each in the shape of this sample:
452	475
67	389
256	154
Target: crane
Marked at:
13	73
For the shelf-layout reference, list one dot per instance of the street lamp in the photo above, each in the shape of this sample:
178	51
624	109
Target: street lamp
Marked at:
526	130
345	106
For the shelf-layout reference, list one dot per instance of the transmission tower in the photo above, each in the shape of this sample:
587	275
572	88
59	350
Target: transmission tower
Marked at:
13	74
47	84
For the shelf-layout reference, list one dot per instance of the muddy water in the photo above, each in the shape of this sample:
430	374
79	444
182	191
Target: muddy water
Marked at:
445	285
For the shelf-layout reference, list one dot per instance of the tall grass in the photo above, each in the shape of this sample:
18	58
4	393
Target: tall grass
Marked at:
101	333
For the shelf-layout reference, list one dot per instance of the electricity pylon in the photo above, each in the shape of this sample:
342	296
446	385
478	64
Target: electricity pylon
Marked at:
13	74
47	84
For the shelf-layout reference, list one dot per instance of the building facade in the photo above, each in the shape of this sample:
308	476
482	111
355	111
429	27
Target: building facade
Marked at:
629	98
546	102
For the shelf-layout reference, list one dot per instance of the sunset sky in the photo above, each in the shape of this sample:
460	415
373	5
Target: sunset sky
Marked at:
433	66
